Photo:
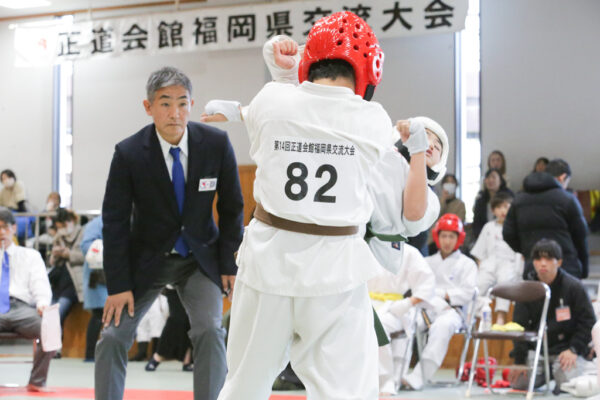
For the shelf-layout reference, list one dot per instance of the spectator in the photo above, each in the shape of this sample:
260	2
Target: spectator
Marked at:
569	321
397	312
455	278
47	228
497	161
482	212
12	194
94	288
67	262
545	209
498	263
449	204
540	164
24	294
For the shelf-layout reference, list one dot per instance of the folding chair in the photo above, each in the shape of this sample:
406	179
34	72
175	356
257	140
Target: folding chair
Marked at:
13	336
522	292
467	330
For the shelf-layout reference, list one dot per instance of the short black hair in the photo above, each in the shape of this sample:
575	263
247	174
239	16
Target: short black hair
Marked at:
500	198
557	167
7	216
331	69
547	248
63	215
9	173
448	176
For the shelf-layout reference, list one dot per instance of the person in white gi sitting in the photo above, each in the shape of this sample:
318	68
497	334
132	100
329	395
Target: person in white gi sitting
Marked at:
456	278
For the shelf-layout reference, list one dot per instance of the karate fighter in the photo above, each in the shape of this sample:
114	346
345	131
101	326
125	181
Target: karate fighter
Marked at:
397	312
302	262
455	280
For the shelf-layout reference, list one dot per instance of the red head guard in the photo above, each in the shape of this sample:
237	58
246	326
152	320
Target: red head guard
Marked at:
449	222
345	36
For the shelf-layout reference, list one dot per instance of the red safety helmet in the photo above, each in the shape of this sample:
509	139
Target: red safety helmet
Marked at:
449	222
345	36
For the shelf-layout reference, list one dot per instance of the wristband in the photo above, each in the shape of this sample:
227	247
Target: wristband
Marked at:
417	141
230	109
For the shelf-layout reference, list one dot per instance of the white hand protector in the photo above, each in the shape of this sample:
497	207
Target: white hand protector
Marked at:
230	109
400	307
277	73
417	141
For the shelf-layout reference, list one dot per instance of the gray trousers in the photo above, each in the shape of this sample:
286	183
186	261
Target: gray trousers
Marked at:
204	305
24	320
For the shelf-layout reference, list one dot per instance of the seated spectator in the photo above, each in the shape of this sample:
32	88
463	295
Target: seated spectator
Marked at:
12	194
67	262
482	211
569	321
455	278
540	164
94	289
496	160
545	209
47	229
24	294
397	312
498	263
449	204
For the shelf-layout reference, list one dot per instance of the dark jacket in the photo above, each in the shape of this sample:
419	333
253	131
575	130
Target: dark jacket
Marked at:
141	221
545	210
574	334
480	217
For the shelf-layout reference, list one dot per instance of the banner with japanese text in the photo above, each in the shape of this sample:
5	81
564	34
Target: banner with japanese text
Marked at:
221	28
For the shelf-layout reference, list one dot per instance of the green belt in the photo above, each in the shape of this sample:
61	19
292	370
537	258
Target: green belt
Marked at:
384	238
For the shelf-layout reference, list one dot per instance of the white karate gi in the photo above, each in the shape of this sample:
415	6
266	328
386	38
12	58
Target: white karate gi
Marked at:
498	262
387	190
456	276
298	295
417	276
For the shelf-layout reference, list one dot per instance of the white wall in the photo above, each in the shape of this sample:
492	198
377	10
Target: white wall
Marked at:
25	121
540	88
418	79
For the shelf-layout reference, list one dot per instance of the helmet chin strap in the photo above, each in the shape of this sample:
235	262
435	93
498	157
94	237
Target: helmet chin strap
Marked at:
369	91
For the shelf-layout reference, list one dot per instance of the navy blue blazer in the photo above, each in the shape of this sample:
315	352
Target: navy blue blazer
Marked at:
141	221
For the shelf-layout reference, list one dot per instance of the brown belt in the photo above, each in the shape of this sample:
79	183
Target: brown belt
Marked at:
311	229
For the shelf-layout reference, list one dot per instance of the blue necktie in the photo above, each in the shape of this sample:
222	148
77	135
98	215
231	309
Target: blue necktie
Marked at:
4	281
179	186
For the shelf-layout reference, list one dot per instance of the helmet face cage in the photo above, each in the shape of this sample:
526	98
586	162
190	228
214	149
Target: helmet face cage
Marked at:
449	222
345	36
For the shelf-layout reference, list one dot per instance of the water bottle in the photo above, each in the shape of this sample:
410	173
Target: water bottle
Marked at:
486	317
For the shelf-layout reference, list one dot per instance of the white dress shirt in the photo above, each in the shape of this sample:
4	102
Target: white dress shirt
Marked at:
28	277
183	154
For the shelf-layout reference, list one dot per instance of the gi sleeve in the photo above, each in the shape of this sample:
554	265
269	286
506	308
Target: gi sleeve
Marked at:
462	293
39	286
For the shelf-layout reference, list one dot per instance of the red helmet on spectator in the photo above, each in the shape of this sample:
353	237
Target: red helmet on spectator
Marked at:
449	222
345	36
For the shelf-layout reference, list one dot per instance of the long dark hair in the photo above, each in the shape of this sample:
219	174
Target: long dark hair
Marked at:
484	190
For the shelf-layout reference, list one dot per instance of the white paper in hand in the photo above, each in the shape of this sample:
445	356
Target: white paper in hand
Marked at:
51	333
